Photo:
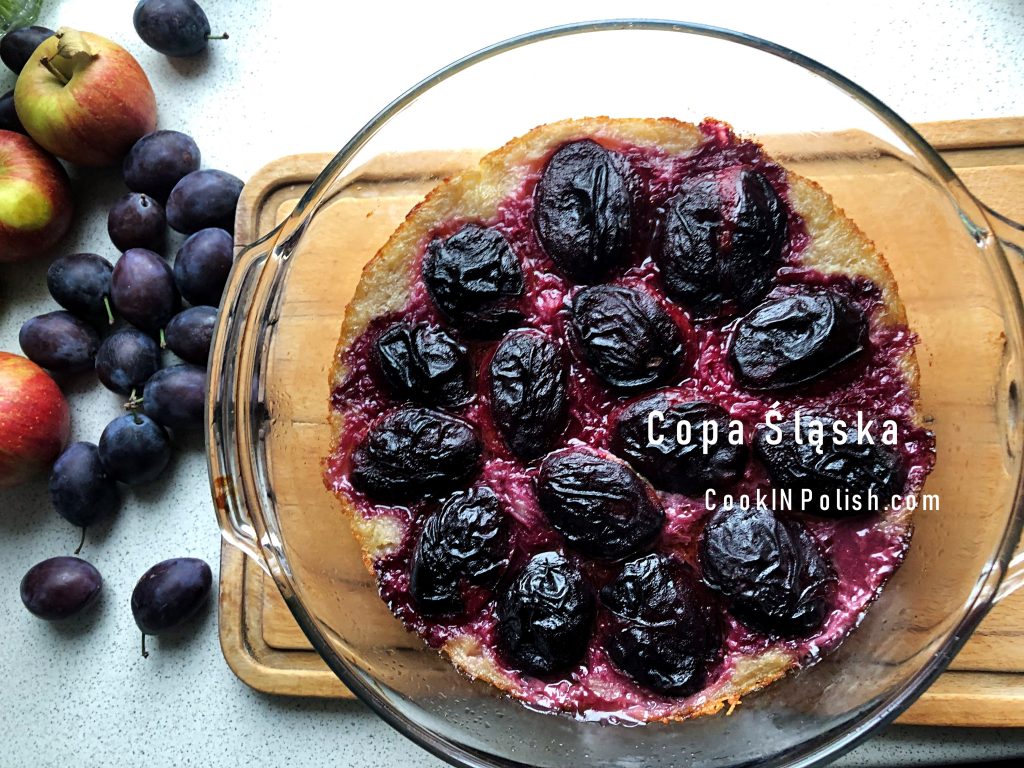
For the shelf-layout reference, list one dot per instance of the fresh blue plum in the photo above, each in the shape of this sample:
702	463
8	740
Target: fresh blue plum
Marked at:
202	266
60	588
134	449
169	594
190	332
126	359
175	397
59	342
137	221
80	282
205	198
9	120
173	27
142	289
158	161
18	45
81	490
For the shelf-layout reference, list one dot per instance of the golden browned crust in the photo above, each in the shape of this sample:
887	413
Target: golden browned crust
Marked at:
836	245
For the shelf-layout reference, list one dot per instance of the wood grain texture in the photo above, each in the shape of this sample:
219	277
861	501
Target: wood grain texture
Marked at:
262	643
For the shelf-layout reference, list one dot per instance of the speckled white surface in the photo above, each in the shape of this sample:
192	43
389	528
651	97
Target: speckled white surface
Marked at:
285	83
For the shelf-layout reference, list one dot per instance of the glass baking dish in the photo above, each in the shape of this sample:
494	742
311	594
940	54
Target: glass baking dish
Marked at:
958	268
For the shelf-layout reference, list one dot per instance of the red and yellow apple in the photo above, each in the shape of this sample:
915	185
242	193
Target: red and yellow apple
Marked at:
34	420
35	198
84	98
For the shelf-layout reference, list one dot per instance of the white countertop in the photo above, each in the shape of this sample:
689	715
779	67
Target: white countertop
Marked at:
299	75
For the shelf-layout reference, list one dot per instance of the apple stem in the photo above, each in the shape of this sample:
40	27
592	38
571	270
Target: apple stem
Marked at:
145	653
221	36
110	312
53	70
82	542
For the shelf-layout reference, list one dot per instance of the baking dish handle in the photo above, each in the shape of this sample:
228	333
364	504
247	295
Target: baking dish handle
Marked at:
224	456
1010	235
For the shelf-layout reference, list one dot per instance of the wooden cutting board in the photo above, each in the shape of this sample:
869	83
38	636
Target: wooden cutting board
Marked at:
262	644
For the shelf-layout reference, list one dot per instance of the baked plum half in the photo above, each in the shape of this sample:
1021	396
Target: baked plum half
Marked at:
768	569
796	339
600	505
583	210
672	464
425	364
466	540
720	241
411	452
546	616
625	336
664	630
828	469
528	392
475	280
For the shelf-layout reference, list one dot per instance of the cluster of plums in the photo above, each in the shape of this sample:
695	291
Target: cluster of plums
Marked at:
116	319
663	616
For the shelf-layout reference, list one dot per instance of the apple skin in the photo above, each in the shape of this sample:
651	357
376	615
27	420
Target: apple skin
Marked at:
35	199
35	421
99	113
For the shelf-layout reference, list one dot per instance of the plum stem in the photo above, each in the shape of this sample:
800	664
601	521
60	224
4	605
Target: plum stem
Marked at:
221	36
45	61
134	403
145	653
163	339
81	542
110	312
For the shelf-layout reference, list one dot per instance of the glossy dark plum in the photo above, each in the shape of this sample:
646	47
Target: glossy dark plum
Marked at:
465	541
169	594
546	616
9	120
423	363
202	266
134	449
175	397
203	199
158	161
172	27
142	290
583	211
796	339
528	374
59	342
415	451
60	588
190	332
18	45
850	468
81	490
137	221
664	632
670	465
768	569
701	267
625	336
475	280
598	504
80	282
126	359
